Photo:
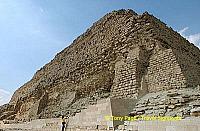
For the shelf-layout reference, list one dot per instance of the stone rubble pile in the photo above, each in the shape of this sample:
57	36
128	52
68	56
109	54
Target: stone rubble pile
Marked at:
182	102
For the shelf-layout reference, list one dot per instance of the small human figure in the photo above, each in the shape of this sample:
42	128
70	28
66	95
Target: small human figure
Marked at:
67	121
63	123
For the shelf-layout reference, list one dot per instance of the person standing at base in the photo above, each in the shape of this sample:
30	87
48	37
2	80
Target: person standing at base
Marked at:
63	123
66	122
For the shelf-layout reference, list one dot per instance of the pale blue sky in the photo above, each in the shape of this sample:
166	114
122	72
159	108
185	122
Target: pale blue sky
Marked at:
33	31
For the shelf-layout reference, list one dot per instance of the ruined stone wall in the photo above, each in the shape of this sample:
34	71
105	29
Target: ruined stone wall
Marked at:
129	72
190	71
186	53
164	72
125	83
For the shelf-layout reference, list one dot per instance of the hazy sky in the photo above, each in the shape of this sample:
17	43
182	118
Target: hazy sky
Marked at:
33	31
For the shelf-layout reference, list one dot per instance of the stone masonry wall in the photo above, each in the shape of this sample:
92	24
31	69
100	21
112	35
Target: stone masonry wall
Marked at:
92	118
125	83
164	72
186	53
53	125
128	75
190	71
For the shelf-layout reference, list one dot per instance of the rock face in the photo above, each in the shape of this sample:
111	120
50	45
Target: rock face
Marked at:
123	55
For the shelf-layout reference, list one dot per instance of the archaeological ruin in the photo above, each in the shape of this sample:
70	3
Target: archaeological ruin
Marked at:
125	64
